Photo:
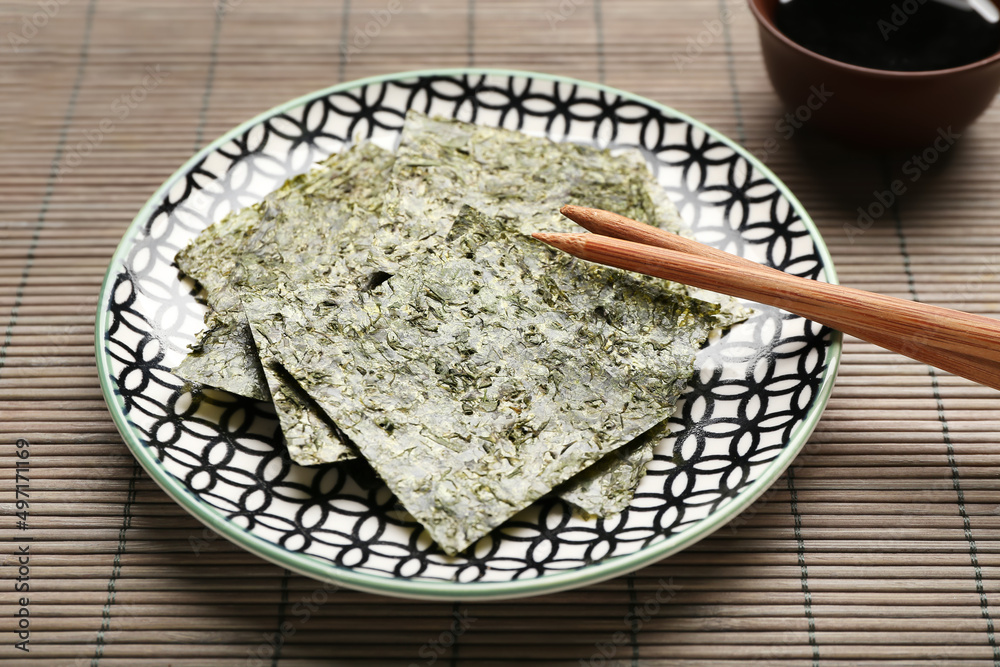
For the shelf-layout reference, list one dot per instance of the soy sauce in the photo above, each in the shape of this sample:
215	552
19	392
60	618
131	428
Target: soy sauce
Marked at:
901	35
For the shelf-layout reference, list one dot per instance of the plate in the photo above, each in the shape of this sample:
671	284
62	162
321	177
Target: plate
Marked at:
755	398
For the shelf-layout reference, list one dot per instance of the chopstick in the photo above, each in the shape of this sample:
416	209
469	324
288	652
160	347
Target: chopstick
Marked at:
618	226
961	343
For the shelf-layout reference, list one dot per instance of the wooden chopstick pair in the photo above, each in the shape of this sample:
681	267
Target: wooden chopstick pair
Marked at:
961	343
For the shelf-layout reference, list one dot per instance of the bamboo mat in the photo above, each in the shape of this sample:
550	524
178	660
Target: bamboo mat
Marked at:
880	546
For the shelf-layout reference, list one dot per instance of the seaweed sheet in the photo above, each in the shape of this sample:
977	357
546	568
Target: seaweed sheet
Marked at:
443	164
607	487
514	175
316	222
488	370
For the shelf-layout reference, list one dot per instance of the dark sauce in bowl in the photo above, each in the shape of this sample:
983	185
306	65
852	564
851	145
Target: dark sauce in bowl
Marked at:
900	35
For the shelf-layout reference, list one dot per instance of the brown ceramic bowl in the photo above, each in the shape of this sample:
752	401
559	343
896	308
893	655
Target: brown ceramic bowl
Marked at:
869	106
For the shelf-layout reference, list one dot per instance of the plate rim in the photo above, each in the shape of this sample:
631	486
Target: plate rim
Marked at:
327	571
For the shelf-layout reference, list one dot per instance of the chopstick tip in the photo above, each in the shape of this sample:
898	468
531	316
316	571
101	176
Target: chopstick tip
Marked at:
575	213
591	219
559	241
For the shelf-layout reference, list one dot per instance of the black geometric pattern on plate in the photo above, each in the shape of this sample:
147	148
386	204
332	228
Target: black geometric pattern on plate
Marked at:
751	391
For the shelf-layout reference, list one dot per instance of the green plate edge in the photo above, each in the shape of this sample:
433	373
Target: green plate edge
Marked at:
324	570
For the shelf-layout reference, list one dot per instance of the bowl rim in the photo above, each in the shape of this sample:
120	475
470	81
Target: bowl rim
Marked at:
768	24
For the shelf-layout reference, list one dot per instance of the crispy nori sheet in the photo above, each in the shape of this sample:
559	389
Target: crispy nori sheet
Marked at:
318	222
607	487
441	166
487	370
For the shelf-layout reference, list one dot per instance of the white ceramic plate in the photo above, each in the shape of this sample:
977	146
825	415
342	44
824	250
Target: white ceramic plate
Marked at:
757	396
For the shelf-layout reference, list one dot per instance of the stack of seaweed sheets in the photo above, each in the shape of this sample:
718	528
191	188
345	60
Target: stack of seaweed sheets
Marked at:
393	307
